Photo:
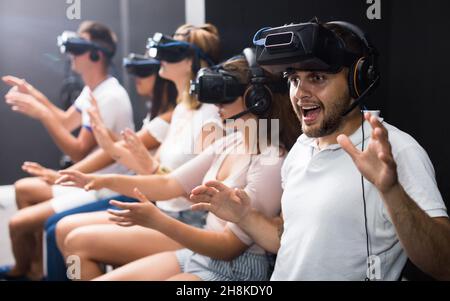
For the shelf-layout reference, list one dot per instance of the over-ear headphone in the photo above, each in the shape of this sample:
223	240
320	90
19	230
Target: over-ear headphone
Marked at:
364	73
94	55
257	97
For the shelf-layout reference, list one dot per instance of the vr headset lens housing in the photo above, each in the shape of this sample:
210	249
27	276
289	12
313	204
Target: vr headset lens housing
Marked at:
164	48
71	42
216	86
141	66
305	46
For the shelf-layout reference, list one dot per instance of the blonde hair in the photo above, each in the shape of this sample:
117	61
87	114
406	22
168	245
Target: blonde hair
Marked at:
206	37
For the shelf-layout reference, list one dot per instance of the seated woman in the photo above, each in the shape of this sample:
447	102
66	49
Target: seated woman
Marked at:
248	159
192	122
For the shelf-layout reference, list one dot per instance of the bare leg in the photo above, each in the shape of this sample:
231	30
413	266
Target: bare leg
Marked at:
22	228
184	277
31	191
36	265
115	245
71	222
160	266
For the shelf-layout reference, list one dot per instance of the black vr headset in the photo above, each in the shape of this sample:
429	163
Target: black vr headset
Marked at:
215	85
140	65
164	48
71	42
313	47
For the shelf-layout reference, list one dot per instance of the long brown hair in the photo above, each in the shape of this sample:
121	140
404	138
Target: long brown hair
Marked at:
280	109
164	96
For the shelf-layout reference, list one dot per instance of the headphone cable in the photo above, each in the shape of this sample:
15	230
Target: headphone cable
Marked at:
364	202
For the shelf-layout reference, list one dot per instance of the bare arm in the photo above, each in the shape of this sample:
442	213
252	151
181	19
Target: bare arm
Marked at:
266	232
234	205
426	240
133	151
99	159
220	245
68	118
155	187
75	147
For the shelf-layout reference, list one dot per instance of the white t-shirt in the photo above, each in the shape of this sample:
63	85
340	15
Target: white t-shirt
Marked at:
260	178
324	235
181	140
157	127
115	109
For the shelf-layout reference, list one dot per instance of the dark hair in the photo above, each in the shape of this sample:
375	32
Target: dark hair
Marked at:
164	96
101	35
280	109
352	42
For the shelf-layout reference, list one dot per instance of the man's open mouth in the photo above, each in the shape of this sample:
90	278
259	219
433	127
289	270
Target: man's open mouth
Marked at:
310	112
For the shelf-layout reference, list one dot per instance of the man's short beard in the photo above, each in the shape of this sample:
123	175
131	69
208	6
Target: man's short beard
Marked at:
332	121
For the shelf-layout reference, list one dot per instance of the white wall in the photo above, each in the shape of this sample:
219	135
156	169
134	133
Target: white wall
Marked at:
195	12
7	209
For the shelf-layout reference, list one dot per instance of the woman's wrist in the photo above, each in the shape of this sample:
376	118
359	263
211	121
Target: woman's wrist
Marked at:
162	222
246	219
109	146
155	169
104	181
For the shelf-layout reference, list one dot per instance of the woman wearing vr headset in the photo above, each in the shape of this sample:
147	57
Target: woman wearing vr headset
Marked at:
220	251
91	52
160	97
191	123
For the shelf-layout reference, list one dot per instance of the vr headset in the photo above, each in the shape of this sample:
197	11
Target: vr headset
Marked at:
216	86
71	42
164	48
140	65
313	47
304	46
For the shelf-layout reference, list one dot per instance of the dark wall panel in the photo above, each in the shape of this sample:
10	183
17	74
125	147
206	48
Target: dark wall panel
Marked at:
412	38
28	31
